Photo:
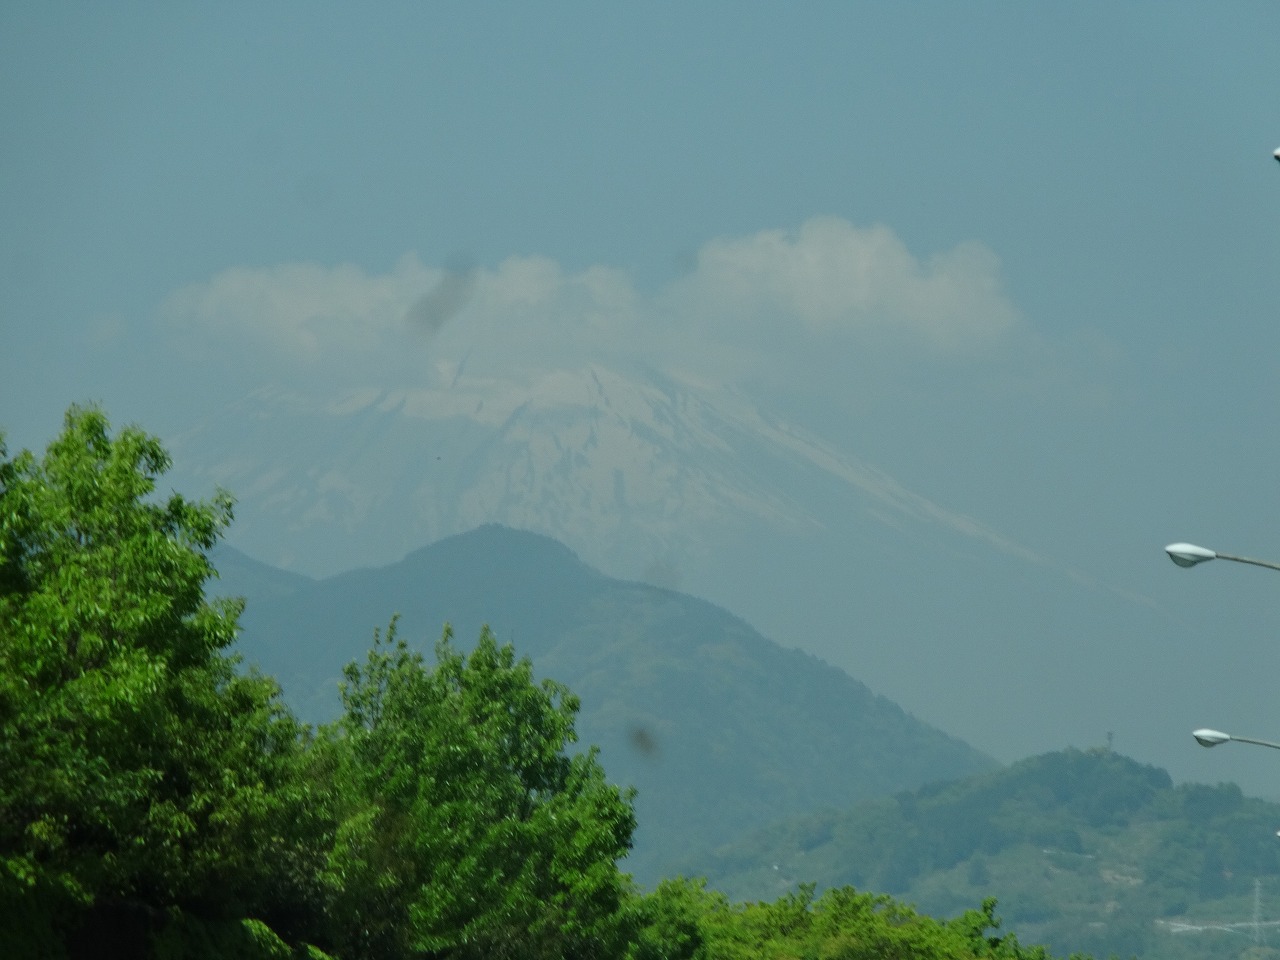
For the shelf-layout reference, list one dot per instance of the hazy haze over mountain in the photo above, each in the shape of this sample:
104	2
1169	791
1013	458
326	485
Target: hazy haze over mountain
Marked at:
909	333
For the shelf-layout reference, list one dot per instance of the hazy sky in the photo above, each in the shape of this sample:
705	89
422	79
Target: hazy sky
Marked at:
1025	257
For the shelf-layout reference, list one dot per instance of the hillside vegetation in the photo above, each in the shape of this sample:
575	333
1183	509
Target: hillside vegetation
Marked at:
719	729
1089	851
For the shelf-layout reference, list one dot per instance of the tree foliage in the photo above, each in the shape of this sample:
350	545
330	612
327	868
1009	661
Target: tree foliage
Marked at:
682	920
467	827
137	767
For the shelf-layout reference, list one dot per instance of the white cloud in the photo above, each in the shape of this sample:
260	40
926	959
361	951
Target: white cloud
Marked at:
303	311
529	300
831	278
749	301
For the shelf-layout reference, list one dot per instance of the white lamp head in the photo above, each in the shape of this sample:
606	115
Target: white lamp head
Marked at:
1210	738
1188	554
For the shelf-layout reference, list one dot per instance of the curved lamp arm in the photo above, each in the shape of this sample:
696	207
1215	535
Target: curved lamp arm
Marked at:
1211	738
1188	555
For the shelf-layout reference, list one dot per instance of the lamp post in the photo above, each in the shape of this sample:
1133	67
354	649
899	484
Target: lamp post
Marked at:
1211	738
1207	737
1188	555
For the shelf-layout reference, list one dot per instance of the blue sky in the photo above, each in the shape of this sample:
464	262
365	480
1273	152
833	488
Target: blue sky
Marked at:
1110	157
1026	257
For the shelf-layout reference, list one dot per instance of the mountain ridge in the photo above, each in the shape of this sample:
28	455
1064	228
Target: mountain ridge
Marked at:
717	726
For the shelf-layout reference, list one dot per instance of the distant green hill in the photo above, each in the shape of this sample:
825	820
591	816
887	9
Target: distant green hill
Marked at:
1087	851
720	729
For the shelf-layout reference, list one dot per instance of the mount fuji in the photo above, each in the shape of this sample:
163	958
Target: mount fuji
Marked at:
691	486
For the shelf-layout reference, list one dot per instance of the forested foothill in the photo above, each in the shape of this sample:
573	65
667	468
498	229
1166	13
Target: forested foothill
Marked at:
720	729
1088	851
158	799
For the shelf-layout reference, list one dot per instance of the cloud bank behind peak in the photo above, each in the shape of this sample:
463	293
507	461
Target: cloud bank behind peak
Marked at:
771	300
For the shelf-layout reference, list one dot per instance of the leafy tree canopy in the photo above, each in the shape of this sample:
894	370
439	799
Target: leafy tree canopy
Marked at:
136	765
467	827
683	919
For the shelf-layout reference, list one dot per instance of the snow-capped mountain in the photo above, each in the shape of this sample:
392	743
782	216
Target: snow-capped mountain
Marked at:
633	474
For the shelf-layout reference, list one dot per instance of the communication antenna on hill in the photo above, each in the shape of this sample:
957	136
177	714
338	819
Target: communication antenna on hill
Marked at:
1111	735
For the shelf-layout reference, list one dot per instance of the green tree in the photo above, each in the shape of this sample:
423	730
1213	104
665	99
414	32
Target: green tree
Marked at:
844	924
138	771
466	827
667	922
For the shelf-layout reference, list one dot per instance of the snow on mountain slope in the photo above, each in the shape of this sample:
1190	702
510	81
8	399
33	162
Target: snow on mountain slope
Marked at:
628	472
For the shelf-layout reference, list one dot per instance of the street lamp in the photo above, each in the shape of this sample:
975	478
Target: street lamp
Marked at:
1188	555
1211	738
